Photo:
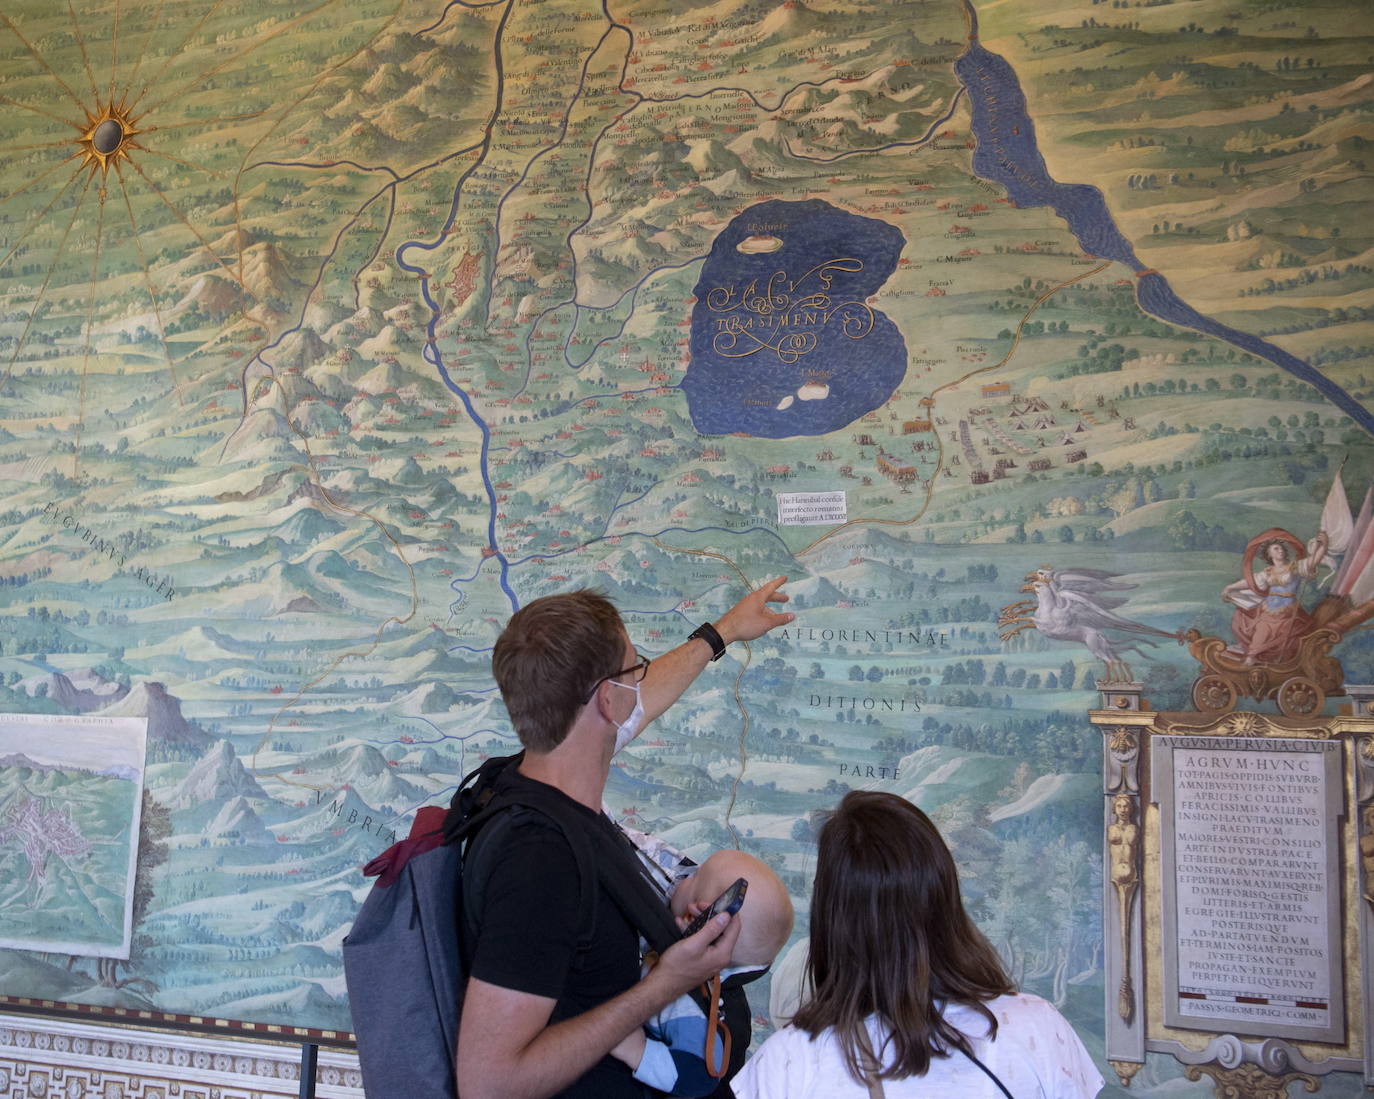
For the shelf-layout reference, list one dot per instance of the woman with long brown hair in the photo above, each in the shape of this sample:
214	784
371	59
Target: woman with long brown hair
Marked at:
906	998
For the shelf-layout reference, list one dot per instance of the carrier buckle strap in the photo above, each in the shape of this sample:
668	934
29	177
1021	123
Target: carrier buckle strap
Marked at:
716	1028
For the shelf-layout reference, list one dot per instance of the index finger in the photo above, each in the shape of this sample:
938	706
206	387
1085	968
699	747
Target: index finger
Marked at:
694	909
770	592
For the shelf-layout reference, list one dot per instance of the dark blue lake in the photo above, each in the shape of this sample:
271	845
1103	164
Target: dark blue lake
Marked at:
783	341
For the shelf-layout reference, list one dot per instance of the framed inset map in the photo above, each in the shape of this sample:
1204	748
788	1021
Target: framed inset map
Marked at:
71	794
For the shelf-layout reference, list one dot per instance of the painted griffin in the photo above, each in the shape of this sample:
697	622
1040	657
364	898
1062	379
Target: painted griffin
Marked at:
1077	605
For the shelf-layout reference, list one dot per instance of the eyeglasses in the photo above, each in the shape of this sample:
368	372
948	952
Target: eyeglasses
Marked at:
641	667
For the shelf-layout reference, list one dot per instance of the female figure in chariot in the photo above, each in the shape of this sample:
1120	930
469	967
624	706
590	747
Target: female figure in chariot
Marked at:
1269	621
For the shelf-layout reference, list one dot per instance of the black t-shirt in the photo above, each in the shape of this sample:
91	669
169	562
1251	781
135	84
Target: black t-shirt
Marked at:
527	934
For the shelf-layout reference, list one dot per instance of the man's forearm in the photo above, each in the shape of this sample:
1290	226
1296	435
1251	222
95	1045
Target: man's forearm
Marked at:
671	674
564	1051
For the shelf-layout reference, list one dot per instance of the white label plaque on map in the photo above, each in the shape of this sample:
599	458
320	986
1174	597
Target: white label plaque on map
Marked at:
800	509
1249	845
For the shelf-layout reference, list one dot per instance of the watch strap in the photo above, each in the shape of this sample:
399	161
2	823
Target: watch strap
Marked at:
708	633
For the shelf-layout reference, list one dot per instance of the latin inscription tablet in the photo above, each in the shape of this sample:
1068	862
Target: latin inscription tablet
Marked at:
1251	886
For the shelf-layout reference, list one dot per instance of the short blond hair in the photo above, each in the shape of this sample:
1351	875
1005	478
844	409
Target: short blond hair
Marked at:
765	919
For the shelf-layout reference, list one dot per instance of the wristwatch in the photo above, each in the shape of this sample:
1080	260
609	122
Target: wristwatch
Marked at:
707	633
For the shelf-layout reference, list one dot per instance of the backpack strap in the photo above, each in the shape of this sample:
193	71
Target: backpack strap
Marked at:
485	831
601	850
483	794
474	794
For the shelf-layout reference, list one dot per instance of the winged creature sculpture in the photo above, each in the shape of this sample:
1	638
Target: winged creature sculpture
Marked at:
1079	605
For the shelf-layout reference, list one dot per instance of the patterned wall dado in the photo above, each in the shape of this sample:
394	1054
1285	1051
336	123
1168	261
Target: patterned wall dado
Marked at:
55	1059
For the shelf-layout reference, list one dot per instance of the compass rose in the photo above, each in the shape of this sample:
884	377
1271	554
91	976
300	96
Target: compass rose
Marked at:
108	137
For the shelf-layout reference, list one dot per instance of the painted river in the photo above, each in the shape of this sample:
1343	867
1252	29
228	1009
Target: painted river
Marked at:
1007	154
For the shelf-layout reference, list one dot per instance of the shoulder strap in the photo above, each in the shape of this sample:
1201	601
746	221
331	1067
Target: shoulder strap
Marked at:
484	830
991	1075
475	793
602	852
638	899
871	1067
868	1061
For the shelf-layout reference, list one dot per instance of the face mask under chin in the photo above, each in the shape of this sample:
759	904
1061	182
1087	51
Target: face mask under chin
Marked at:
628	729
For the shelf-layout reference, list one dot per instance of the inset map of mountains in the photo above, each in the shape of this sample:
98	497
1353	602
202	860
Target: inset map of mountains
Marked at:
69	825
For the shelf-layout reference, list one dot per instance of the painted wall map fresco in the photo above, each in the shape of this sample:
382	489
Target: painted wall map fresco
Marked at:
71	799
332	333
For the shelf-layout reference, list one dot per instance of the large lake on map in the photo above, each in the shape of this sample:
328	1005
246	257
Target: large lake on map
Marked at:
783	339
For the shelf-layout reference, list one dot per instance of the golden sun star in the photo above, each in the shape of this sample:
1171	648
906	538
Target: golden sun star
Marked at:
108	136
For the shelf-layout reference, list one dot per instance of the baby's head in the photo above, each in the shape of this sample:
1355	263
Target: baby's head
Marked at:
765	919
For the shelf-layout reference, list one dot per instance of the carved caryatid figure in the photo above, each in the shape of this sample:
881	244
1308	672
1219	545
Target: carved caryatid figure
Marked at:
1123	846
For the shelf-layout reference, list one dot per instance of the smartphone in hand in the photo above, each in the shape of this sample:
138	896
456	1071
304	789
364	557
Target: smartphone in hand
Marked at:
729	902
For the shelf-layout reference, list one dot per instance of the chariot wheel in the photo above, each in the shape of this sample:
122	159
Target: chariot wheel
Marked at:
1214	694
1299	697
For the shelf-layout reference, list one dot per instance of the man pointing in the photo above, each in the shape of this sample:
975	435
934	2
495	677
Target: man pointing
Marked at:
540	1015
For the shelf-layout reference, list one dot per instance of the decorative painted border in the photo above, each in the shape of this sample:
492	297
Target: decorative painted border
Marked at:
43	1058
196	1024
